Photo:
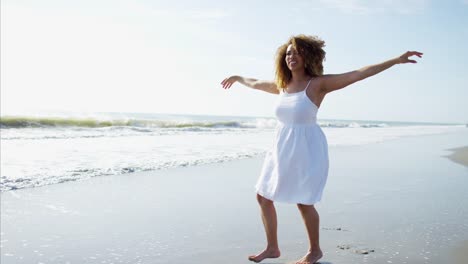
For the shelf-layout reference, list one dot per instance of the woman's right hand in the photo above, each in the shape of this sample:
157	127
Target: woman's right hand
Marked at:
228	82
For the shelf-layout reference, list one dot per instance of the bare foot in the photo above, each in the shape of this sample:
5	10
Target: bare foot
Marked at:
311	257
267	253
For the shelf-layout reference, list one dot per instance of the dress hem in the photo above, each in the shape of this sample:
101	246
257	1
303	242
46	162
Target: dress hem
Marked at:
284	201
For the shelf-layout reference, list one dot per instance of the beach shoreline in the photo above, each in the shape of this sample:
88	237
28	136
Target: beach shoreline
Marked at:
375	201
460	155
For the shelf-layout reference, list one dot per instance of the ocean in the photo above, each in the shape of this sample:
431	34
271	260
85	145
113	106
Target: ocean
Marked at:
52	149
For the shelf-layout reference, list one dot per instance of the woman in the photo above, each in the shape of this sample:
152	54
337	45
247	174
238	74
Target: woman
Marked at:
296	169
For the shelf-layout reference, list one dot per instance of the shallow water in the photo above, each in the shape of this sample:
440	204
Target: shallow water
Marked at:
43	151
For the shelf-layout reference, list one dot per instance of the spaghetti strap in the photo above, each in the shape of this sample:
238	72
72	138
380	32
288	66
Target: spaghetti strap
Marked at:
305	90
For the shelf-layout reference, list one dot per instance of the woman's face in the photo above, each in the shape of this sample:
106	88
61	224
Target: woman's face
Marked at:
293	59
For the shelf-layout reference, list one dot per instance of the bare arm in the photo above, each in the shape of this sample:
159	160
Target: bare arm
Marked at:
333	82
267	86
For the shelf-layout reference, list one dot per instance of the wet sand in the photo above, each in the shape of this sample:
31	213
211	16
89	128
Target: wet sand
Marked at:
400	201
460	254
460	156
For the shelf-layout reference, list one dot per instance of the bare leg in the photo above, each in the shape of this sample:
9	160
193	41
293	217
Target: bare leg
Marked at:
311	220
271	225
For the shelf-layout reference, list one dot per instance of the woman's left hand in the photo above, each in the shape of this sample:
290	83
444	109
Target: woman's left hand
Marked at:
405	57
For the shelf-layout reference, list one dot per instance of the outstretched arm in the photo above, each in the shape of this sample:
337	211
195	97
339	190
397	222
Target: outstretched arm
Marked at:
267	86
333	82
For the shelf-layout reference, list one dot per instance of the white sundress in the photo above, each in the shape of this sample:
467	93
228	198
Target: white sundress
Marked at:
295	170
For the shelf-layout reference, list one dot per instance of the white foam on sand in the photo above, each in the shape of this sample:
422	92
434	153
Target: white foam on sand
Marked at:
52	156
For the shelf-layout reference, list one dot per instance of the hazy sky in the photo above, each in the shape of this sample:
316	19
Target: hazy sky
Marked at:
170	56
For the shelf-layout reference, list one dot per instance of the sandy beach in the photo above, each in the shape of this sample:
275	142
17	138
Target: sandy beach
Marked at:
401	201
460	155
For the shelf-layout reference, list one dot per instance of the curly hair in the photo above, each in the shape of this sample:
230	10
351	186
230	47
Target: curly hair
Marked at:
310	48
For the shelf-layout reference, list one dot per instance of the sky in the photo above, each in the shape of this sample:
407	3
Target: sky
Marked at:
170	56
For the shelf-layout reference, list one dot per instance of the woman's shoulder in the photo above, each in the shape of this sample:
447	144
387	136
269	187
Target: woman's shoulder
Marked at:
315	87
